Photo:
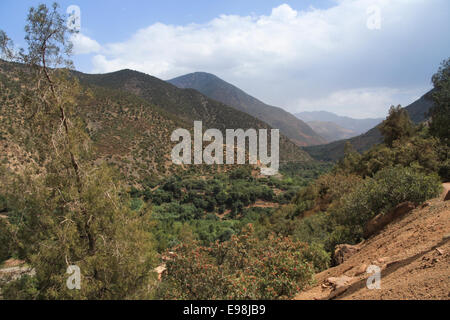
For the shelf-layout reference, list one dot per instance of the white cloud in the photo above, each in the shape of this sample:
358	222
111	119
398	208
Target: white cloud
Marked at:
82	44
293	56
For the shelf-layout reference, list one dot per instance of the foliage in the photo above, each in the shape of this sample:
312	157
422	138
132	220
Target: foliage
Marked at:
345	219
25	288
421	151
440	113
397	125
242	268
70	210
5	240
388	188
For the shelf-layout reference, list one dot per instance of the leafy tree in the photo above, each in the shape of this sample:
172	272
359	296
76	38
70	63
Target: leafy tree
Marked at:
440	112
70	211
397	125
242	268
377	195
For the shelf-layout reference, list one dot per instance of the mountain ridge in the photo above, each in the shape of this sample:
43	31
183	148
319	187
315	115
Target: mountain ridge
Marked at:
418	112
331	131
215	88
188	105
360	126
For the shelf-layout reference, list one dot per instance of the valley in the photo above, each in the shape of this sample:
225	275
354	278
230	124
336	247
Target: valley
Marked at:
118	185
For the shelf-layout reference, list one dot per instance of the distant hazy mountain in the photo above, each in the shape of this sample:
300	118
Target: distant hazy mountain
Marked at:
215	88
418	112
357	125
331	131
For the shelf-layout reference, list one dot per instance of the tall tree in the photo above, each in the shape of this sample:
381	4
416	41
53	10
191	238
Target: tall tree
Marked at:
70	211
397	125
440	113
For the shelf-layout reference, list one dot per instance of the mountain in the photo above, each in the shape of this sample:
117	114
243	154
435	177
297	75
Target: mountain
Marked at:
130	117
359	126
418	112
187	105
215	88
331	131
127	131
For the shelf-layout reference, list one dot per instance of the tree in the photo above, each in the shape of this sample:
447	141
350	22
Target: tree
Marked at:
440	112
70	210
397	125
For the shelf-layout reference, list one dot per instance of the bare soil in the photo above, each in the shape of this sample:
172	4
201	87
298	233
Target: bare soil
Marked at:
413	253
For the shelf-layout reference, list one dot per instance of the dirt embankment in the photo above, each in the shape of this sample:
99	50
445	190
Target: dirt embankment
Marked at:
412	252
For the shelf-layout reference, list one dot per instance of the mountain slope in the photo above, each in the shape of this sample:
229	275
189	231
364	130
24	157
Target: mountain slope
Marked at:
358	125
331	131
217	89
130	131
418	111
126	130
187	104
412	253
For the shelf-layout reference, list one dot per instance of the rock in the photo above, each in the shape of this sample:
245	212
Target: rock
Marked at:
339	282
383	260
380	221
343	252
362	269
446	193
340	285
440	251
160	271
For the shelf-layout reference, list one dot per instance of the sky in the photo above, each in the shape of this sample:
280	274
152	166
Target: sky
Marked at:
353	58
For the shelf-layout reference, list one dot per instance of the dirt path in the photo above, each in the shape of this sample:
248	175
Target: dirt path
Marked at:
413	253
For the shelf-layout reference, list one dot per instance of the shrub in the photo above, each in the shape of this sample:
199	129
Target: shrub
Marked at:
385	190
241	268
24	288
5	240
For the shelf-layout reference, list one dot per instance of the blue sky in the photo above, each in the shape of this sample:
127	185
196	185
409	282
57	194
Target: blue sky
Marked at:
298	55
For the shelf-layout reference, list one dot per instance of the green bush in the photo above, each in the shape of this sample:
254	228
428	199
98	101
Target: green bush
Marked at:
314	228
5	240
242	268
388	188
25	288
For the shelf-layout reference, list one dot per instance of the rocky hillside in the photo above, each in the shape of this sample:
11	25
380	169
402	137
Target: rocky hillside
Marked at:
130	117
220	90
412	251
188	105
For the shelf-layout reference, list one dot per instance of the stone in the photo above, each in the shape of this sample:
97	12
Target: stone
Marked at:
383	260
361	269
343	252
446	193
339	282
